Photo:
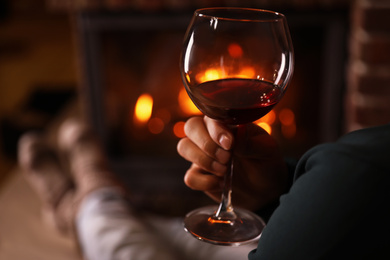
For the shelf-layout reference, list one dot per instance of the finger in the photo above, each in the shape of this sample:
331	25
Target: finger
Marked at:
191	152
219	133
197	179
197	131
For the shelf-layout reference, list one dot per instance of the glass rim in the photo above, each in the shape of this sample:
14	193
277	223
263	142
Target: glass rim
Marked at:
238	14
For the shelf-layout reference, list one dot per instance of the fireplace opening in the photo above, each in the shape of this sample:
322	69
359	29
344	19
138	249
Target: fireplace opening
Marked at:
135	99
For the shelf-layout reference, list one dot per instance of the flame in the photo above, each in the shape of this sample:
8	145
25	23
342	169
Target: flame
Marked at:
186	104
266	121
223	72
143	108
211	74
286	118
246	72
267	127
269	118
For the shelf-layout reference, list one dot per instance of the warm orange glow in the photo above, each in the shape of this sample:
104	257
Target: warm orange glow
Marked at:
156	125
163	114
247	73
209	75
268	118
143	108
188	78
186	104
266	121
289	131
219	221
265	126
286	116
178	129
235	50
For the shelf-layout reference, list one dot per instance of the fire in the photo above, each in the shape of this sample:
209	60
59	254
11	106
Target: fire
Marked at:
267	127
209	75
269	118
186	105
286	118
222	71
143	108
246	72
266	121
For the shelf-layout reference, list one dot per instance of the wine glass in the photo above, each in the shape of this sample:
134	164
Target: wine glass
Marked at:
235	64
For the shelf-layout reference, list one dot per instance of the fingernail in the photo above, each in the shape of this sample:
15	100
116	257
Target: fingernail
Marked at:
225	142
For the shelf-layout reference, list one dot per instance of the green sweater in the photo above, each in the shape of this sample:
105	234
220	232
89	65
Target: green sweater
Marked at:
338	205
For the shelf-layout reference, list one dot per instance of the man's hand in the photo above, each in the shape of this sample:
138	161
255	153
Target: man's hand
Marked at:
260	174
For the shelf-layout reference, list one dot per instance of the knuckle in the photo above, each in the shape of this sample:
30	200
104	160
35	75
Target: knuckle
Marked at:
209	147
189	180
189	125
205	162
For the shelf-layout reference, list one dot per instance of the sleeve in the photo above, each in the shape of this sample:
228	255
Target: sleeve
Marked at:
267	211
331	199
107	229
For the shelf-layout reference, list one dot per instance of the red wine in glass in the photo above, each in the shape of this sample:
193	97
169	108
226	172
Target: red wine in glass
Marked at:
236	100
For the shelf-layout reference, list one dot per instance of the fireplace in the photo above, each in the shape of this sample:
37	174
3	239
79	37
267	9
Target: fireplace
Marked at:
135	100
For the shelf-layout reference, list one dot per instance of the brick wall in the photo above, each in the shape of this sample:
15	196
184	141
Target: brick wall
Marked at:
368	82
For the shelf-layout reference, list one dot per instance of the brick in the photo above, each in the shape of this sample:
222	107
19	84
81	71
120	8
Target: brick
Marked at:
367	115
371	15
370	83
365	77
370	48
367	99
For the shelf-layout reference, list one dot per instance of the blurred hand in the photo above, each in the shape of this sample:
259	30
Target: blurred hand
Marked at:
260	174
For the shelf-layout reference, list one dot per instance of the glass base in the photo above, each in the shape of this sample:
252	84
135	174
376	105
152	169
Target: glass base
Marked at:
245	228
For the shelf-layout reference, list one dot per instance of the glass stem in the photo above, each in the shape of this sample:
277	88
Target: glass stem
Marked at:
225	210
